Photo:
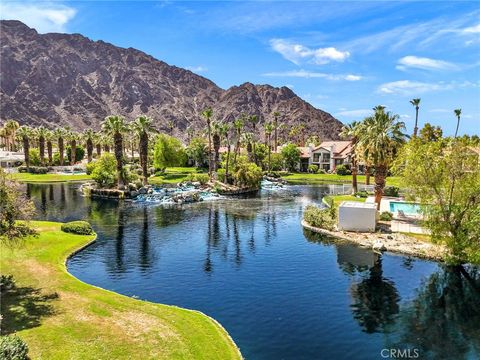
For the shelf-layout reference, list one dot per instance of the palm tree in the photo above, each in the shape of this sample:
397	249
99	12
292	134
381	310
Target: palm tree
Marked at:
41	134
97	141
276	115
115	126
216	139
89	136
26	133
269	127
143	127
60	133
351	131
225	131
49	139
253	119
11	127
416	103
248	139
457	113
106	142
207	114
73	137
238	125
381	137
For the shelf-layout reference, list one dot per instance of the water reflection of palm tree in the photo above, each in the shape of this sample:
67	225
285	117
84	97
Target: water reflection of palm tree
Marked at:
236	236
51	195
145	243
119	246
443	319
207	267
376	300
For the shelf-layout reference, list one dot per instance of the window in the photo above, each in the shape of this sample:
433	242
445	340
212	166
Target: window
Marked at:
316	158
326	157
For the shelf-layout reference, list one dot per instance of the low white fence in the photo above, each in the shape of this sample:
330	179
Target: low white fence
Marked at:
345	189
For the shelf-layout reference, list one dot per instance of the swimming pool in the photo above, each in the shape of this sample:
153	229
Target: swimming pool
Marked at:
406	207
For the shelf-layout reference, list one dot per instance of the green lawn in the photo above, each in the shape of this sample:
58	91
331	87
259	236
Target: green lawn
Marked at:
304	178
173	175
337	199
46	178
61	317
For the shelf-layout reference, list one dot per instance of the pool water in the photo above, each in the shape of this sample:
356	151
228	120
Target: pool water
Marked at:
406	207
281	292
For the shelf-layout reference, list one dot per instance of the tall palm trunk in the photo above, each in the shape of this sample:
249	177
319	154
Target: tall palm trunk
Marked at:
50	152
415	129
249	151
458	124
89	150
269	152
354	175
367	174
26	150
237	147
61	150
275	135
143	150
253	146
99	149
73	152
209	149
380	176
216	149
118	143
228	160
41	142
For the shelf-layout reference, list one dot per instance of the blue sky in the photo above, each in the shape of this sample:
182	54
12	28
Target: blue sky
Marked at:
342	57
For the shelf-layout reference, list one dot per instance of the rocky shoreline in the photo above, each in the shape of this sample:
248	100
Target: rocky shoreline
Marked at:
394	242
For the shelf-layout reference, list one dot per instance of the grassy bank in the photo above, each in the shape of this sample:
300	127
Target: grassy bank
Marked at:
61	317
337	199
48	178
304	178
173	175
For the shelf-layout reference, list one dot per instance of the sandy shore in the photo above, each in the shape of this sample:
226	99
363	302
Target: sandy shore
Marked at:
394	242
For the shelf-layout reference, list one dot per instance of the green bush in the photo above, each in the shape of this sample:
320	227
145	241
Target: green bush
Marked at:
202	178
105	171
321	171
7	282
246	174
361	194
342	170
291	156
391	191
321	218
386	216
221	175
90	167
34	157
276	162
312	169
79	154
13	348
77	227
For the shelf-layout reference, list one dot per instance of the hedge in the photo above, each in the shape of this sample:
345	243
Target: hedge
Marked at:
77	227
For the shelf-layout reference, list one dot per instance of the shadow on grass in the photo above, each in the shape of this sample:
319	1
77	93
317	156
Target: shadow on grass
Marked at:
24	307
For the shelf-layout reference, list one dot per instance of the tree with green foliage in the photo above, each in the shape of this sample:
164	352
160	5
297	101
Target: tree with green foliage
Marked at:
88	136
79	154
253	119
276	115
104	171
60	134
269	127
14	206
168	151
41	133
430	133
238	125
291	156
49	137
381	136
114	126
444	176
197	151
351	131
143	127
246	174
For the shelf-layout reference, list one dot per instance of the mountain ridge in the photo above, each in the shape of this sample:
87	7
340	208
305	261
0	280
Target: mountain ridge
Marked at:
68	79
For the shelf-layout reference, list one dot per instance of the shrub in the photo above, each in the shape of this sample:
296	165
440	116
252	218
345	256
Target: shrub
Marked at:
90	167
361	194
79	153
391	191
291	156
34	157
104	171
13	348
168	151
221	175
386	216
321	171
246	174
7	282
342	170
202	178
77	227
276	162
312	169
321	218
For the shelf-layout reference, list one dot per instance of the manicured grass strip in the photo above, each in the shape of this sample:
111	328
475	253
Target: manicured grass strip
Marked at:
61	317
46	178
337	199
173	175
302	178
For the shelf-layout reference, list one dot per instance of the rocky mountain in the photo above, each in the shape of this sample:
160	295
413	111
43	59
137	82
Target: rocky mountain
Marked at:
68	79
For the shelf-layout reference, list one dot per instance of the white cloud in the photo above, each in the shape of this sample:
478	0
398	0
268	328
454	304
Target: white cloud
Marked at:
298	53
424	63
43	16
411	88
197	69
313	74
354	113
405	116
472	29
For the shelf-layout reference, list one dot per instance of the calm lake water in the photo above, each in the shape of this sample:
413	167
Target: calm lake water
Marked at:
281	292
